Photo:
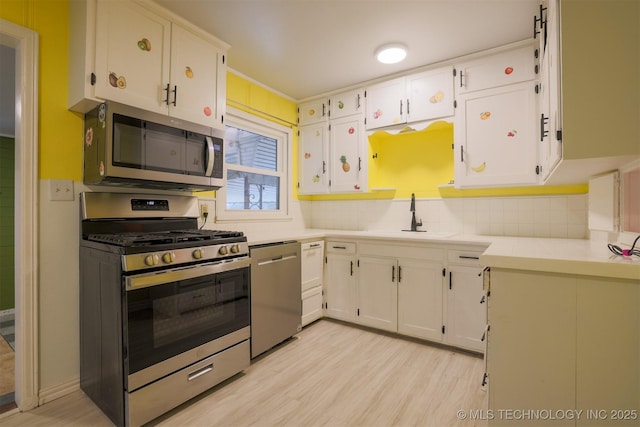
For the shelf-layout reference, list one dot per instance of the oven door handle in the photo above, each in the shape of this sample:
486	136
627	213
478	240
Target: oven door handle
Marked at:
145	280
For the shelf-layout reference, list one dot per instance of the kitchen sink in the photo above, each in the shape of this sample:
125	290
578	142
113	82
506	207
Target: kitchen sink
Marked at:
418	233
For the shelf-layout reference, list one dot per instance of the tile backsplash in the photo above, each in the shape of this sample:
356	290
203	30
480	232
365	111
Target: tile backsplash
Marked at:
532	216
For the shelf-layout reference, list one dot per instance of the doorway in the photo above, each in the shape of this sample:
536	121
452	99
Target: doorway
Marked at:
24	45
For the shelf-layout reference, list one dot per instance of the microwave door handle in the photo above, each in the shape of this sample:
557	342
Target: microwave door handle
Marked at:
210	156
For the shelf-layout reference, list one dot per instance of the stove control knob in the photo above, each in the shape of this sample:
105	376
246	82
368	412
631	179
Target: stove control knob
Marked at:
235	249
223	250
197	254
151	260
168	257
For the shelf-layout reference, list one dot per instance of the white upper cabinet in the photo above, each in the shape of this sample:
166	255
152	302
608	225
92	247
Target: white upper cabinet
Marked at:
348	153
346	104
144	58
495	137
332	145
313	176
312	112
495	134
133	49
422	96
494	70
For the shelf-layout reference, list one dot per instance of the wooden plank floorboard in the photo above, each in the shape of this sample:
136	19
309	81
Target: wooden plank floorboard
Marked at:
330	374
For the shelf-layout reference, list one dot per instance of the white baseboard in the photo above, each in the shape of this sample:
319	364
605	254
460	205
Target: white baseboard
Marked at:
52	393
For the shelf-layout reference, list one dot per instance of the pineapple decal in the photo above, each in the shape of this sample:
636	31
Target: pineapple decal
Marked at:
345	165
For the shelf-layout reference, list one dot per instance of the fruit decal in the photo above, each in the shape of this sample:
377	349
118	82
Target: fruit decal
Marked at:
480	168
312	112
377	114
207	111
356	187
437	97
485	115
101	168
188	72
351	130
340	105
144	44
88	138
512	133
307	155
508	70
316	178
345	165
115	81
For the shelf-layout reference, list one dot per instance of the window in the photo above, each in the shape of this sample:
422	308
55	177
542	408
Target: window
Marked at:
256	169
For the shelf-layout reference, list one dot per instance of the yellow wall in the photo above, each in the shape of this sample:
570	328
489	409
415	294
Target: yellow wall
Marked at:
59	130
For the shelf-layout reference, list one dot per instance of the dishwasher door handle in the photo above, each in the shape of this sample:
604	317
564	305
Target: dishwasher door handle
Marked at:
279	258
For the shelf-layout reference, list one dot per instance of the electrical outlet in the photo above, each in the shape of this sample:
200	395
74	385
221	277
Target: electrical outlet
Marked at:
61	189
204	209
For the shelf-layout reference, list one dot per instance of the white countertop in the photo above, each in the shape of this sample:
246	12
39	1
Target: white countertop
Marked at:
569	256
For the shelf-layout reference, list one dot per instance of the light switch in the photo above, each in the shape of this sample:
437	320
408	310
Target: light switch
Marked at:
61	189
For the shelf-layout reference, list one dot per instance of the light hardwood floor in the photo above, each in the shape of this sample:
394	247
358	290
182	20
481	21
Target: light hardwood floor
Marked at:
330	374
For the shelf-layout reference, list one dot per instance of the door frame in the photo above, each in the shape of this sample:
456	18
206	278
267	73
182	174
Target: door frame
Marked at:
26	44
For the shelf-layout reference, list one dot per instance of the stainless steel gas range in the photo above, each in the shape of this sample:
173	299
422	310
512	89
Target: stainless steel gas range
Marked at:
164	306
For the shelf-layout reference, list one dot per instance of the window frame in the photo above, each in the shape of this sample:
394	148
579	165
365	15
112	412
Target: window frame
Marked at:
283	136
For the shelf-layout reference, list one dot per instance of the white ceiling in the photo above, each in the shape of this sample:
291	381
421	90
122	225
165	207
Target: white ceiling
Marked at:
304	48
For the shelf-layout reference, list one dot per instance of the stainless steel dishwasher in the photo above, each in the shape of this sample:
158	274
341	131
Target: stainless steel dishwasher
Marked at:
276	300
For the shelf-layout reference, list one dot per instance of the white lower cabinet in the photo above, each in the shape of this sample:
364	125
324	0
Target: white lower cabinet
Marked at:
428	291
377	293
311	269
420	299
466	300
340	281
561	342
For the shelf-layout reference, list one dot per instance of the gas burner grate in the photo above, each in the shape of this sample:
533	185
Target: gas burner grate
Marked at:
164	237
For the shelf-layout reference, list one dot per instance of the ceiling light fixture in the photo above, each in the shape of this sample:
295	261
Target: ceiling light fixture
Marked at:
391	53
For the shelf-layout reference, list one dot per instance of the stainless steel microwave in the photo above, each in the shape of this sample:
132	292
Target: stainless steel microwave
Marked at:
130	147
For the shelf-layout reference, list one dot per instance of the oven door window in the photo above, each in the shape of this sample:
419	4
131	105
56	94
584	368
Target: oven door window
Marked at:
169	319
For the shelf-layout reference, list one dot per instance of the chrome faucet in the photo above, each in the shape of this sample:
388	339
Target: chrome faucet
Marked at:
414	224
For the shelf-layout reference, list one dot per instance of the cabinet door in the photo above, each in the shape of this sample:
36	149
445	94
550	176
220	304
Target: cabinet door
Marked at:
466	315
420	299
132	55
500	69
313	177
347	141
196	93
386	104
346	104
377	293
312	112
532	343
340	285
550	136
312	264
430	94
495	137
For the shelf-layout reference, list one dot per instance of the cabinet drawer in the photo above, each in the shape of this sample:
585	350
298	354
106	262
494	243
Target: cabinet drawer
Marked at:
397	251
341	247
462	257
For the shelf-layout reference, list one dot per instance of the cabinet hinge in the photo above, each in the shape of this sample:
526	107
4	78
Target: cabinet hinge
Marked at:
559	135
444	272
450	280
358	312
538	169
326	261
365	93
222	119
443	329
358	263
454	72
453	146
224	58
455	103
93	79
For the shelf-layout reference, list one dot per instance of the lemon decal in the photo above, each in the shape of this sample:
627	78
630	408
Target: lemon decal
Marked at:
188	72
340	105
485	115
